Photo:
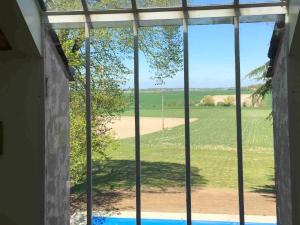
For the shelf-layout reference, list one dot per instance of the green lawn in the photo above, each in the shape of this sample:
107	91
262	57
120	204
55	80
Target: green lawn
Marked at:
213	148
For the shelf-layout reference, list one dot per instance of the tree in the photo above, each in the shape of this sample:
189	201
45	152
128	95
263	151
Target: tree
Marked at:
260	74
110	49
108	73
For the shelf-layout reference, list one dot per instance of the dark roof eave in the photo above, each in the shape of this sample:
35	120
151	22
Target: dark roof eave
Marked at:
275	44
70	70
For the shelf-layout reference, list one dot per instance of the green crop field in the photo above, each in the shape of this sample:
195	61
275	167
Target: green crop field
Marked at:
213	146
174	99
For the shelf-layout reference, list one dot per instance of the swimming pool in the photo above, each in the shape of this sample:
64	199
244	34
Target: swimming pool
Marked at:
131	221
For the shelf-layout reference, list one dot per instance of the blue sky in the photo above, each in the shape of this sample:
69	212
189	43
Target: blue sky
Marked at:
211	55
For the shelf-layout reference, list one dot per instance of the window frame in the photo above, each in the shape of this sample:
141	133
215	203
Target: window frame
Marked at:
178	15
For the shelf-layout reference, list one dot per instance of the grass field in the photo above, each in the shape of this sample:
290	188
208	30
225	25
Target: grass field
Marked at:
151	100
213	147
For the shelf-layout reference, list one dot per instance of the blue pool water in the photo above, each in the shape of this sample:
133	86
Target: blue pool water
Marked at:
129	221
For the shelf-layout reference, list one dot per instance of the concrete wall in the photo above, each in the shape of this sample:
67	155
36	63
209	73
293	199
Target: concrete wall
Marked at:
57	138
286	109
293	17
17	25
31	15
294	129
34	164
21	165
281	137
22	114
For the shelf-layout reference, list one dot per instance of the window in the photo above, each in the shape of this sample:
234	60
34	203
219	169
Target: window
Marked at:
185	142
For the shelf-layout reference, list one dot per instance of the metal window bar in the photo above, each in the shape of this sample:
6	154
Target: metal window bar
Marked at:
187	116
187	121
258	14
137	115
239	120
137	124
88	126
89	173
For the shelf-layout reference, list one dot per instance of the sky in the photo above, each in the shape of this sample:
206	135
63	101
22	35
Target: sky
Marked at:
211	56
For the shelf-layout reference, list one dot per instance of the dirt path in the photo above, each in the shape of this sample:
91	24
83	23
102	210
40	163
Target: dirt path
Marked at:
208	200
204	201
124	127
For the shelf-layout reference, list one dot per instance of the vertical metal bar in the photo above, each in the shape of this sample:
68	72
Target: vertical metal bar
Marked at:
137	114
88	125
239	120
137	124
162	110
187	123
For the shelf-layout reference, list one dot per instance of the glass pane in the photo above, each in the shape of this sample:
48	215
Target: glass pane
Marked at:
209	2
113	125
162	123
63	5
109	4
213	133
259	178
158	3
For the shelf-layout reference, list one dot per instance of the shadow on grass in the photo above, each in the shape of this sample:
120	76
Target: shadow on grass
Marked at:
103	200
267	190
115	180
120	174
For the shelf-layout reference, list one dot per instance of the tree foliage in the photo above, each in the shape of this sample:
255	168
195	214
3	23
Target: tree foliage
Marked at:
259	74
162	46
111	54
